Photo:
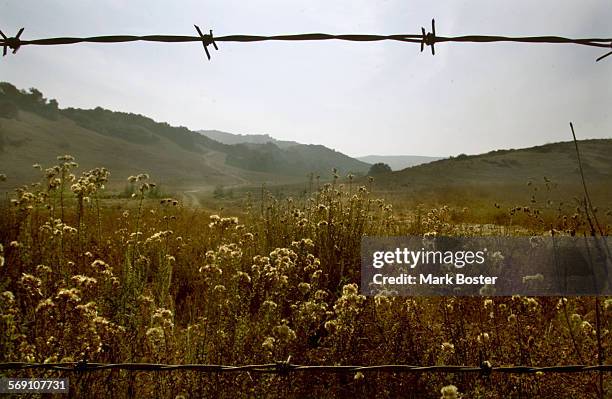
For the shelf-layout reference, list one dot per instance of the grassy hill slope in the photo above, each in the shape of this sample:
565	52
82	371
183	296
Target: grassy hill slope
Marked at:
542	173
32	139
35	130
556	161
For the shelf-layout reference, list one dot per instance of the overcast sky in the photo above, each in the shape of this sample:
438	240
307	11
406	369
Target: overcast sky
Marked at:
358	98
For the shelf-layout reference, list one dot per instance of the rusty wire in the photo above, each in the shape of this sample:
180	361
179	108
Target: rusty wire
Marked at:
425	39
283	367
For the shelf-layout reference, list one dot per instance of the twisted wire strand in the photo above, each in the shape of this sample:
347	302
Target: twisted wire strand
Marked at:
594	42
286	367
424	39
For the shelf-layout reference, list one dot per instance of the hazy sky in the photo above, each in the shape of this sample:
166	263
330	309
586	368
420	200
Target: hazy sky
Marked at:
359	98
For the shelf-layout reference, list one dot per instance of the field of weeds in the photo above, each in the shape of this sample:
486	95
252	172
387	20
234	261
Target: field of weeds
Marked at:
148	280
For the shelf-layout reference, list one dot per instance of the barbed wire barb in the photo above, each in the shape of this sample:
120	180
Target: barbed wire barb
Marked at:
207	40
11	42
429	39
605	55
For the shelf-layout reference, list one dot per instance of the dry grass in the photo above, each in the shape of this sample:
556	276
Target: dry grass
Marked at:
146	280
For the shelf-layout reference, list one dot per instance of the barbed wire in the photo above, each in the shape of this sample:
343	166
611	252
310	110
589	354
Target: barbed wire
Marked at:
425	39
283	367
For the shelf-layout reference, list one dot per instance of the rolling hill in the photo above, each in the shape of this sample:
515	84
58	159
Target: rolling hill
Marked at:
34	129
396	162
555	161
305	154
538	173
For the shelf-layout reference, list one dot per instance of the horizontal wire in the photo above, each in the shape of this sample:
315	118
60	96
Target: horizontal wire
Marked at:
283	367
425	38
414	38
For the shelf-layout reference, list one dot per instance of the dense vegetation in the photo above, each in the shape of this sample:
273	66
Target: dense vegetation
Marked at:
13	99
378	169
156	281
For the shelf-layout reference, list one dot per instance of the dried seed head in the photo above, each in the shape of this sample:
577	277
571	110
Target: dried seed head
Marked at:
449	392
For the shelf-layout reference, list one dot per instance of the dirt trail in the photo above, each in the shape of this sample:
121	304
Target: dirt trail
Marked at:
192	197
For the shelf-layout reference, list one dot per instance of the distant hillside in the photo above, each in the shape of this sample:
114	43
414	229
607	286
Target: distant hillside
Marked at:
34	129
503	174
320	159
231	138
398	162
